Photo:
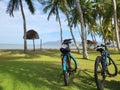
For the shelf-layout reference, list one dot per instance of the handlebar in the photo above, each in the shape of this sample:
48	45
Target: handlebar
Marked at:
67	41
102	46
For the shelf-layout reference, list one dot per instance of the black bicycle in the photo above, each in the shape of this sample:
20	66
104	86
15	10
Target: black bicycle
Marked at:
104	67
69	63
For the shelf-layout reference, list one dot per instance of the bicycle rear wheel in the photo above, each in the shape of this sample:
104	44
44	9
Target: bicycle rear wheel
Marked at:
112	69
99	74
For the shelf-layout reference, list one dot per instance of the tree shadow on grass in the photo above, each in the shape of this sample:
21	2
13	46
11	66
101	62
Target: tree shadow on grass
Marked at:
1	88
84	80
39	74
112	85
46	74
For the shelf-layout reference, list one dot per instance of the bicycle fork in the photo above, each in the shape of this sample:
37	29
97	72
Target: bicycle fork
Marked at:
66	63
64	59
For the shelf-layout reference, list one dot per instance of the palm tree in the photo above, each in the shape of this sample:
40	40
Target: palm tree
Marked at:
116	24
89	16
53	6
14	5
104	19
118	16
84	41
65	10
105	12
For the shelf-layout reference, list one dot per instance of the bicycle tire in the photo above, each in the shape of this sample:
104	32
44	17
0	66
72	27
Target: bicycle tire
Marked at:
73	64
98	74
66	72
66	77
112	69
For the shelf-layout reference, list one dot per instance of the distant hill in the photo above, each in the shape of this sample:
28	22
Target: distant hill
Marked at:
52	44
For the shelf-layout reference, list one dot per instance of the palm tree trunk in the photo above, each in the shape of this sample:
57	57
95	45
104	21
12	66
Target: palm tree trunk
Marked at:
116	25
92	36
84	42
74	39
40	44
61	38
72	34
33	45
70	26
60	31
79	31
24	24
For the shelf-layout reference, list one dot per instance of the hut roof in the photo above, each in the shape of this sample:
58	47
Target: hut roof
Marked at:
32	34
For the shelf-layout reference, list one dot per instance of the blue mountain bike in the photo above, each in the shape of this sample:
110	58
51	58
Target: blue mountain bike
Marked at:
69	63
104	67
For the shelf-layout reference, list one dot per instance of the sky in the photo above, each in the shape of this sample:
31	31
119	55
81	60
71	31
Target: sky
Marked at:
11	28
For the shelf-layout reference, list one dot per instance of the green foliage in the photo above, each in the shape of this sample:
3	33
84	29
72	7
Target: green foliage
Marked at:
41	70
13	5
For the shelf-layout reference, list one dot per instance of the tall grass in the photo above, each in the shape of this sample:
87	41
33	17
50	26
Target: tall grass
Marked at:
41	70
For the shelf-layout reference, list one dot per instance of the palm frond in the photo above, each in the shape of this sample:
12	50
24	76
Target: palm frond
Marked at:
31	6
12	6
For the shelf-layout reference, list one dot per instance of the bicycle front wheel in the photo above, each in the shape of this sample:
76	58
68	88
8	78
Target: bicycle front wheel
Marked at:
73	64
66	77
99	74
112	69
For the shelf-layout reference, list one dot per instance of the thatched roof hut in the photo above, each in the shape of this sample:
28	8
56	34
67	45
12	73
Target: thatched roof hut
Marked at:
32	34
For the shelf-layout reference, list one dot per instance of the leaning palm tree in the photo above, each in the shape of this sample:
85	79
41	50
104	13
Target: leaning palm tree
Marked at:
53	7
14	5
84	43
65	9
116	24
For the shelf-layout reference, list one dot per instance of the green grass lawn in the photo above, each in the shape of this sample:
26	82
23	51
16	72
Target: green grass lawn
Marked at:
41	70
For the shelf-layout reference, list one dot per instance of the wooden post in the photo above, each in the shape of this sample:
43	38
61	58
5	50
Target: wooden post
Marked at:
40	44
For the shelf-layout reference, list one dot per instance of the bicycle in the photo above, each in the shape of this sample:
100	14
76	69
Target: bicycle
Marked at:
104	67
69	63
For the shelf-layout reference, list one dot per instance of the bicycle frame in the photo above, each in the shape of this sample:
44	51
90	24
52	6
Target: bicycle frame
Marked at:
104	54
104	59
104	67
64	60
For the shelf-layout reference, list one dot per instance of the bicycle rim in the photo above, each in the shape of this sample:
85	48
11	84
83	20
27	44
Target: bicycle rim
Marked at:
66	77
99	75
111	67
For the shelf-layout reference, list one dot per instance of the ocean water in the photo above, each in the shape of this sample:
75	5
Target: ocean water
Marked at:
21	46
11	46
